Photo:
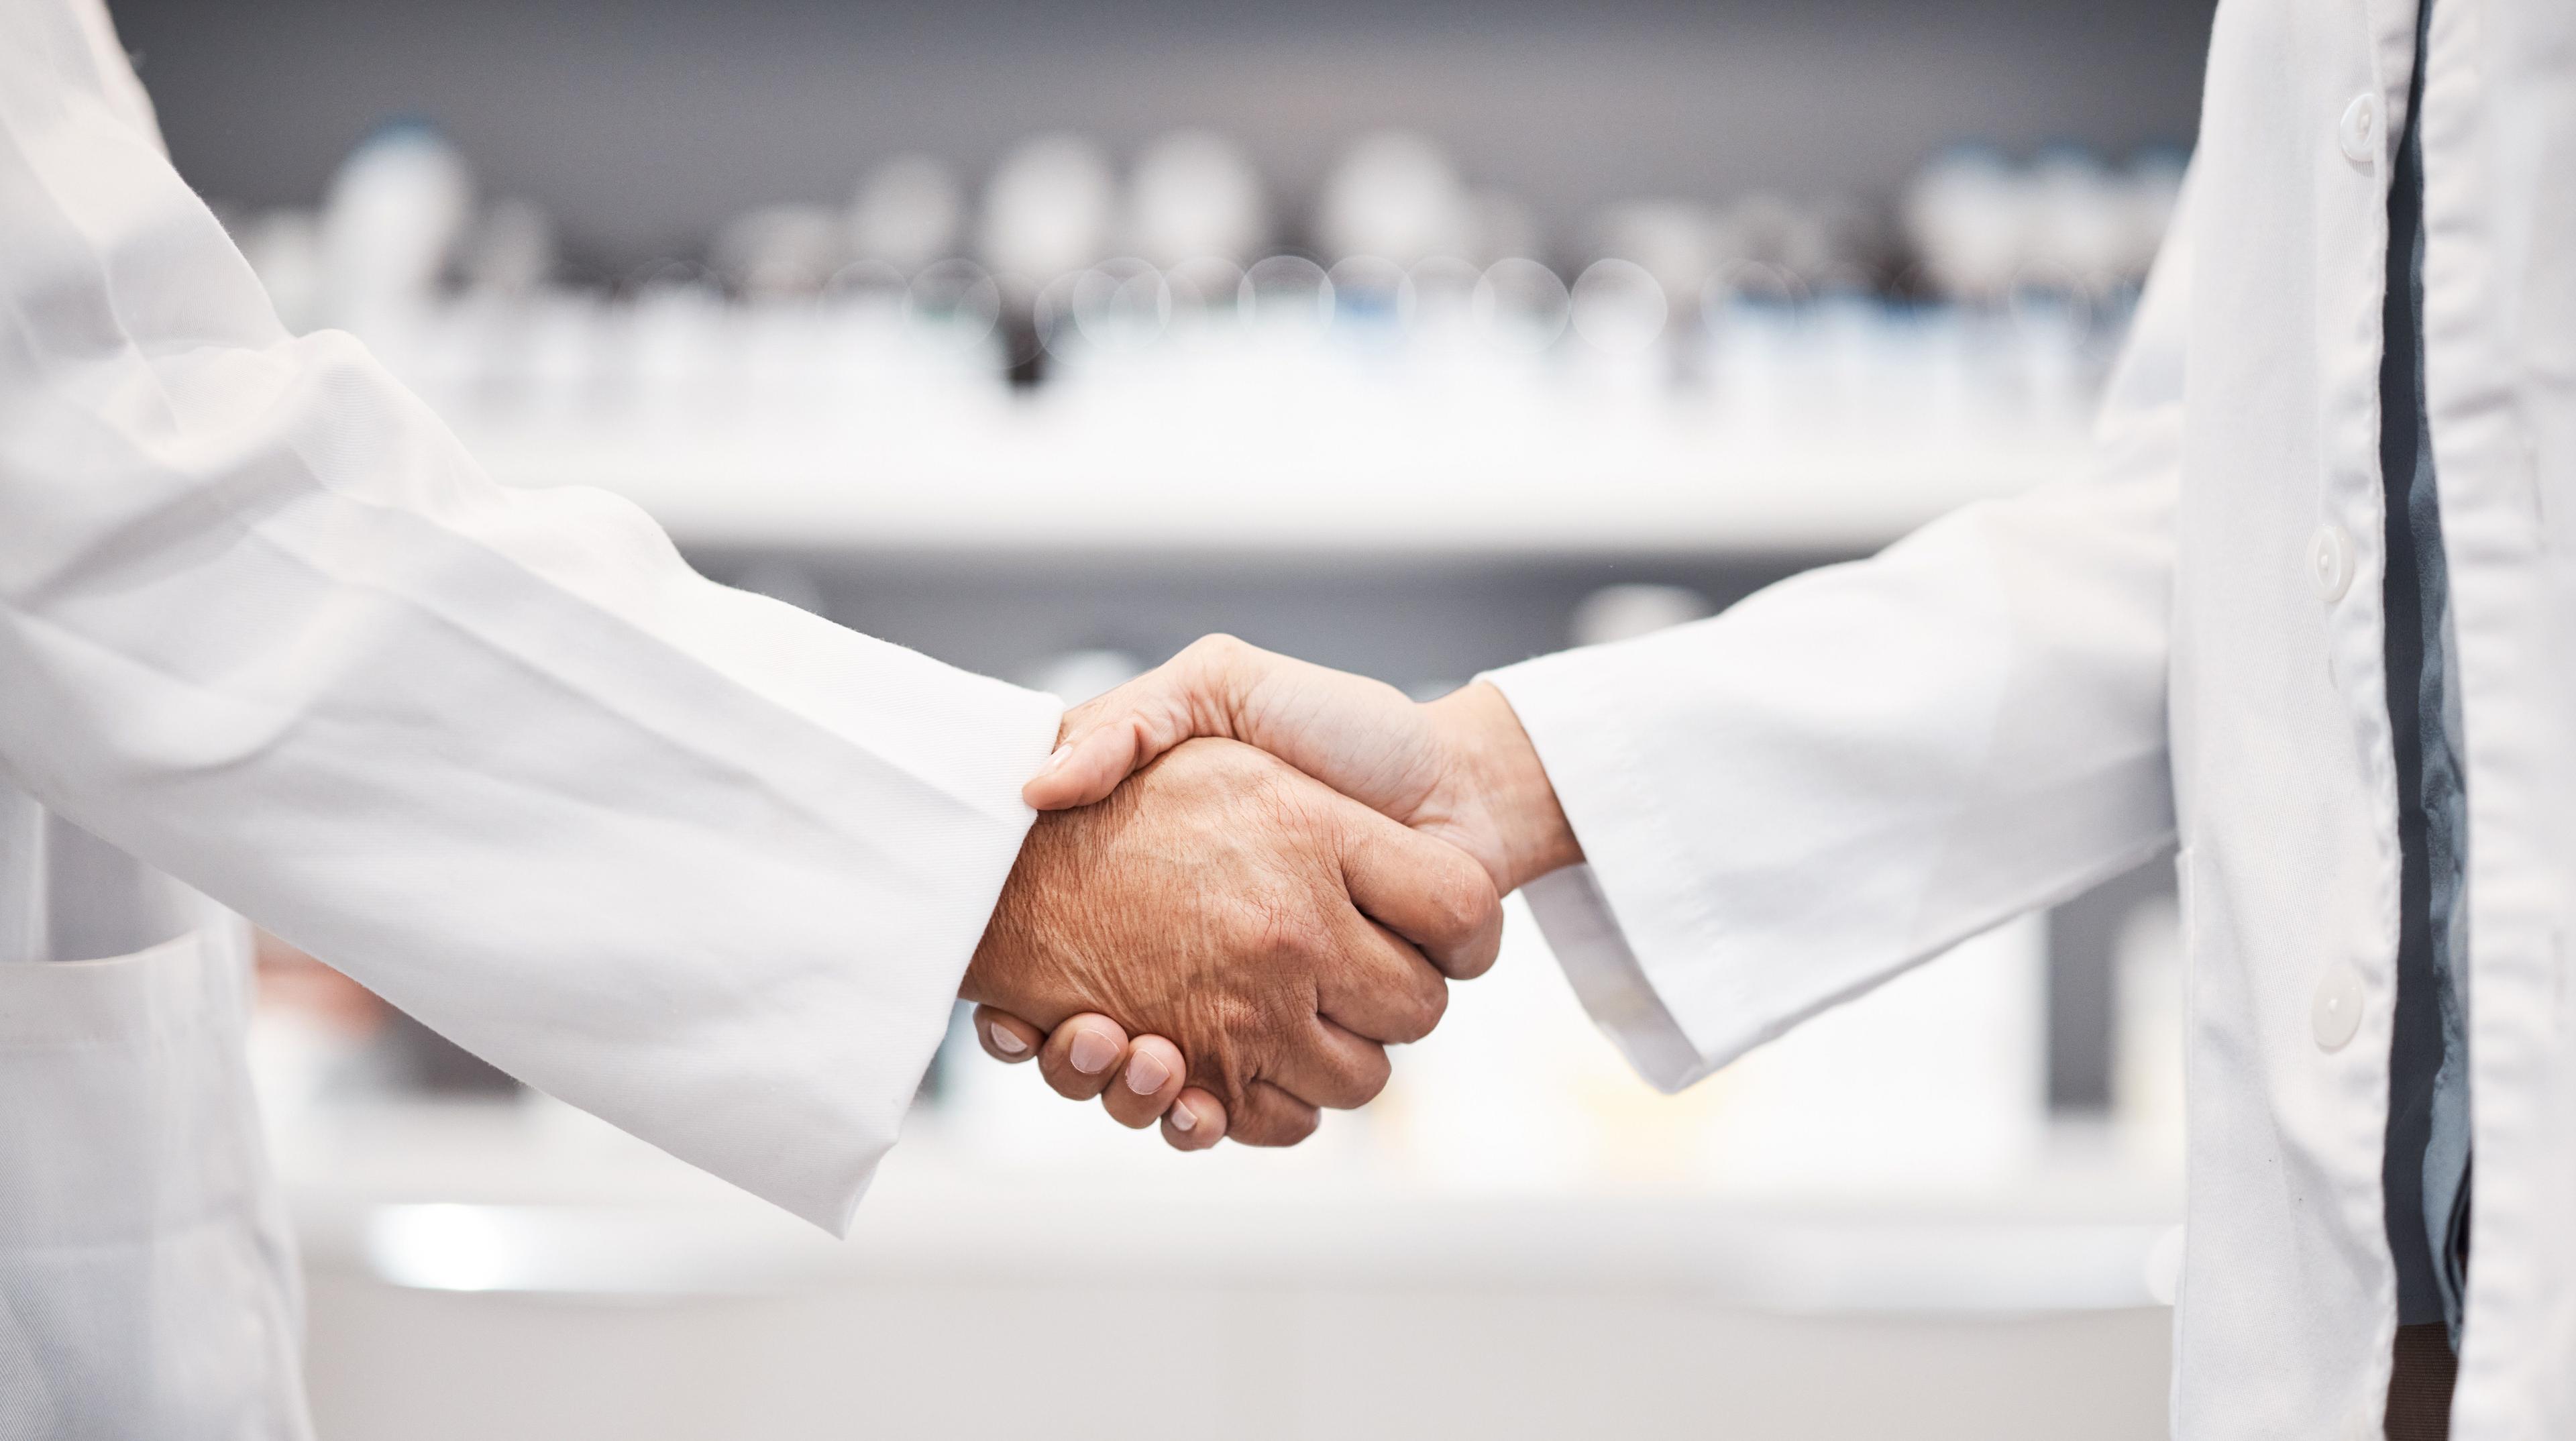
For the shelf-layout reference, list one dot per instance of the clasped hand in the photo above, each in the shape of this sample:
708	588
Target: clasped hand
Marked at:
1265	872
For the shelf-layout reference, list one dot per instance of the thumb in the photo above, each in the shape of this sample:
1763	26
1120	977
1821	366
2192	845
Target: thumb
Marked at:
1107	739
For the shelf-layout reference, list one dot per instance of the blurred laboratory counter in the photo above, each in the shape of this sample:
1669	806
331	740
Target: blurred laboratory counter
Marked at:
1519	1240
592	1288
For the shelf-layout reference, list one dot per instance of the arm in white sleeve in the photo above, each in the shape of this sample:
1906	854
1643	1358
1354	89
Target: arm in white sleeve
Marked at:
688	858
1854	770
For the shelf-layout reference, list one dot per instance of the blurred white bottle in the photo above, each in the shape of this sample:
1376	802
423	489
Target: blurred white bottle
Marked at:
1049	210
392	219
1195	194
906	215
1967	215
1397	196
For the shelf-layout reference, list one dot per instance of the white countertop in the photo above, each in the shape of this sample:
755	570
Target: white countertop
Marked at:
506	1197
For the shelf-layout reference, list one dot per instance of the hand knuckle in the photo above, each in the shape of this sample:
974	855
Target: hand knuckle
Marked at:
1282	938
1216	645
1465	903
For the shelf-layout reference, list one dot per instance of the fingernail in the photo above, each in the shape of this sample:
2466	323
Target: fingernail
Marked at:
1004	1041
1092	1053
1183	1118
1147	1073
1055	762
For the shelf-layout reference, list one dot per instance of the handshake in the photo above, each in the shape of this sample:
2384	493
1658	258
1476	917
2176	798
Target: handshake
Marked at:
1264	872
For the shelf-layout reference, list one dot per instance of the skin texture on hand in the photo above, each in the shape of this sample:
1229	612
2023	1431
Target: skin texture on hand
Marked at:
1217	899
1459	768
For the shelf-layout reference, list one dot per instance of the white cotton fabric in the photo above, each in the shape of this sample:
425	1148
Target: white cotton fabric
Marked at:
1789	803
690	859
147	1284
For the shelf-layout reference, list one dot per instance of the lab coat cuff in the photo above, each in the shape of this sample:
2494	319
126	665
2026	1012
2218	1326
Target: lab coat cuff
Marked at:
1631	912
998	736
1576	919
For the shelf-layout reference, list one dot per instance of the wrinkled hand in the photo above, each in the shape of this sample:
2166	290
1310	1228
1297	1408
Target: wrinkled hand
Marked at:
1278	934
1459	768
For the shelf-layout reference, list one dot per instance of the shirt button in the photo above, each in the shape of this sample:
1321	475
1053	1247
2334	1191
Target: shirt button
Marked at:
2330	562
2336	1013
2360	129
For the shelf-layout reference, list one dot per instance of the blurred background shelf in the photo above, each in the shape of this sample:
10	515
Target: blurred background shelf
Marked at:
1065	482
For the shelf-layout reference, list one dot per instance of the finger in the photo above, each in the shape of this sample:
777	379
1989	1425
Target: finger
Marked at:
1329	1066
1269	1116
1082	1054
1105	740
1427	891
1195	1122
1096	754
1005	1037
1149	1080
1383	989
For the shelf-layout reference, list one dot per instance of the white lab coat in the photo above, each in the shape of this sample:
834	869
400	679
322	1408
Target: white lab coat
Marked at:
1787	804
691	859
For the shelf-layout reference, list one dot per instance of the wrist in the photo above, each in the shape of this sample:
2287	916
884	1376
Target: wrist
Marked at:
998	972
1505	779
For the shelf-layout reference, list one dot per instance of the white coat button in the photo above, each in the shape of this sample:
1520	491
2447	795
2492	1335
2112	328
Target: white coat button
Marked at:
2337	1011
2330	562
2360	130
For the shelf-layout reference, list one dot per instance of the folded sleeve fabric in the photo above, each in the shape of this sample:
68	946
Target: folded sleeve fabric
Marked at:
1848	773
688	858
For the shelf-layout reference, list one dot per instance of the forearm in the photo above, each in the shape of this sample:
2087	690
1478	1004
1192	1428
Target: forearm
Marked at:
694	860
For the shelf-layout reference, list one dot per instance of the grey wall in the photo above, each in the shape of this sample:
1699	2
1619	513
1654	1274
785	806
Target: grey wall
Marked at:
644	124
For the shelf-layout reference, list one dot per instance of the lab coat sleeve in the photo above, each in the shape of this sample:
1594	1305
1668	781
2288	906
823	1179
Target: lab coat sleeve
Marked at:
1852	771
691	859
